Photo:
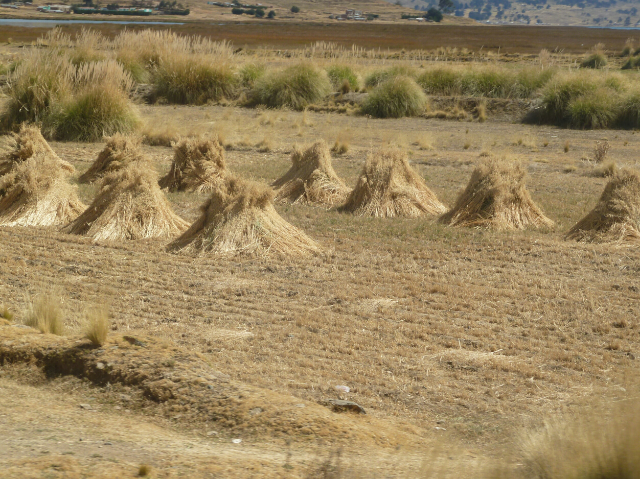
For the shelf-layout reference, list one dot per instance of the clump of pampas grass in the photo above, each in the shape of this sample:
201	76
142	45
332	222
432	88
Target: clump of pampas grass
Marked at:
496	197
388	186
239	218
198	165
311	178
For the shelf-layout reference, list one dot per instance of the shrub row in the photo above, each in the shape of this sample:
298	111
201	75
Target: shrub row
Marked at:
588	100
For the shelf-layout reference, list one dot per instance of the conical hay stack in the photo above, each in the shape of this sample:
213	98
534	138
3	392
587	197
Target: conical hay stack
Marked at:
616	217
198	165
389	187
129	206
496	197
239	218
29	143
33	187
311	178
118	152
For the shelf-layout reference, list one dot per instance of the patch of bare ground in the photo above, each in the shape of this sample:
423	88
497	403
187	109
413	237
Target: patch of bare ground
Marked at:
469	330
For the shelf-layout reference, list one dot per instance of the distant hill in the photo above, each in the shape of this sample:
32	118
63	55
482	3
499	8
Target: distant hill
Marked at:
608	13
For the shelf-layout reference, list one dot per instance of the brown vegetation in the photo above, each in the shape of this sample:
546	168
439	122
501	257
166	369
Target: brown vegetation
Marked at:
129	206
119	151
239	218
616	217
496	197
34	188
311	178
389	187
198	165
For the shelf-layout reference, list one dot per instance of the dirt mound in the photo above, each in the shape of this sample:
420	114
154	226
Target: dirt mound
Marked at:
129	206
311	178
616	217
119	151
496	197
389	187
34	190
239	218
198	165
182	385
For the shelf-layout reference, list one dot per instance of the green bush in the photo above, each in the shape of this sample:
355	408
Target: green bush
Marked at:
561	91
629	110
295	9
378	77
400	96
343	75
440	81
91	115
631	63
296	86
194	79
250	73
595	60
489	81
597	109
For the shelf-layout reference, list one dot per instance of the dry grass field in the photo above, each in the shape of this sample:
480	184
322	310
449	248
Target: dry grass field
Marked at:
471	349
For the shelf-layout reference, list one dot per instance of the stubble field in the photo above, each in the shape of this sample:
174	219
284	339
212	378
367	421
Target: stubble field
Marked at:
452	335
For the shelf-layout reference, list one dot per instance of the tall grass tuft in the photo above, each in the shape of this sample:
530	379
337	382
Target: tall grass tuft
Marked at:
44	312
595	60
629	111
250	73
194	79
486	81
100	107
589	447
97	324
378	77
296	86
595	110
43	78
561	91
343	77
400	96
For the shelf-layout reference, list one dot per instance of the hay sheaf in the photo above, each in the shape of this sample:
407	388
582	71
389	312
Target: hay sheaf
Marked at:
29	143
34	190
389	187
198	165
239	218
119	151
496	197
311	178
129	206
616	217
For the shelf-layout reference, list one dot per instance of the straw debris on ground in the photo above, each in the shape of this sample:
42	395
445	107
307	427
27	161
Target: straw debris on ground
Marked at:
119	151
34	187
388	186
239	218
198	165
496	197
311	178
616	217
129	206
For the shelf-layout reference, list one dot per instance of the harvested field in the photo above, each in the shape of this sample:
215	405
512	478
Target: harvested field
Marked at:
447	337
